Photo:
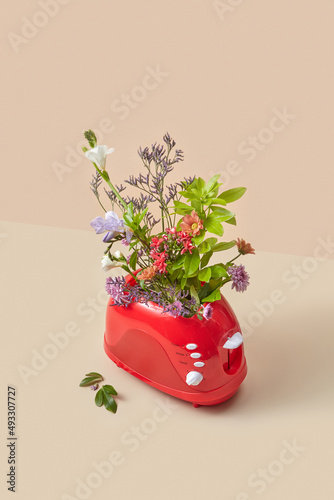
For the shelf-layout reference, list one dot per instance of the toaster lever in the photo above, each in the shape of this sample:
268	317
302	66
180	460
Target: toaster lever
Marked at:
234	341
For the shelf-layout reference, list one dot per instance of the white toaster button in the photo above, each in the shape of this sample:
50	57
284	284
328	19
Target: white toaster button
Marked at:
195	355
199	364
194	378
191	347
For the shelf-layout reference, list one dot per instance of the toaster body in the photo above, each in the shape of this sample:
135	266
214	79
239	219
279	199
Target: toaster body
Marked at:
201	362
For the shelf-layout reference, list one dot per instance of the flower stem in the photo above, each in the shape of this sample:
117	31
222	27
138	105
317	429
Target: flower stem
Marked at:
105	176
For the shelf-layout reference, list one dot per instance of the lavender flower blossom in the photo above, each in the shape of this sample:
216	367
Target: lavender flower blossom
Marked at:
112	224
175	309
207	311
94	387
115	287
240	278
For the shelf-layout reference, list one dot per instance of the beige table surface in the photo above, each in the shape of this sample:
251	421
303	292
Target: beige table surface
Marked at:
273	440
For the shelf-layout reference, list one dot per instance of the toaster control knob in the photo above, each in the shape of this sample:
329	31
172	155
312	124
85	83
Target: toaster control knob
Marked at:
194	378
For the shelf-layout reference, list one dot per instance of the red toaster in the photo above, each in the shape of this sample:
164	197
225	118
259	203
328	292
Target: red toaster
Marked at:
202	362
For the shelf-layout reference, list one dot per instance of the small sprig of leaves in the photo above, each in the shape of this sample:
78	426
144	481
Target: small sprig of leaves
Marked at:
91	379
104	396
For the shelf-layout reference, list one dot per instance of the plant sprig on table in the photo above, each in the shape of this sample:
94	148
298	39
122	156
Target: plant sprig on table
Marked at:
104	396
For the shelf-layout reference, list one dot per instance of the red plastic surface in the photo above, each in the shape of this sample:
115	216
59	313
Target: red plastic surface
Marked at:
155	348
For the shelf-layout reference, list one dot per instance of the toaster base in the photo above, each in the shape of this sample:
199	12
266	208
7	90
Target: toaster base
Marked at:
197	398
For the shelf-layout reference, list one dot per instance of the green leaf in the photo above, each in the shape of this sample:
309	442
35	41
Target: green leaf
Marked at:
110	404
200	185
205	274
232	221
218	201
217	271
133	260
198	239
223	246
191	262
109	401
212	241
211	184
205	259
197	206
175	275
88	381
94	374
207	245
204	247
110	389
178	263
183	281
213	226
217	216
215	295
190	195
142	215
220	211
127	219
194	294
181	208
99	398
232	194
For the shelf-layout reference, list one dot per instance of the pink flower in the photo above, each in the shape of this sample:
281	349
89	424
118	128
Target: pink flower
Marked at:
155	242
148	273
159	260
187	246
244	247
207	311
191	224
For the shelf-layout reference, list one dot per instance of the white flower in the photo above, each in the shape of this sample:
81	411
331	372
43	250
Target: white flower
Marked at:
108	264
98	155
118	254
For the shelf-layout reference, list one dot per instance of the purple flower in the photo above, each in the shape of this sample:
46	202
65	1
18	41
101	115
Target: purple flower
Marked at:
112	224
94	387
98	224
116	288
124	242
175	309
240	278
207	311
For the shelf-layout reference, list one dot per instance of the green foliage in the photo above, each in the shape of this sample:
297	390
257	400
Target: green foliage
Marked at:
223	246
91	379
185	257
104	396
191	262
232	194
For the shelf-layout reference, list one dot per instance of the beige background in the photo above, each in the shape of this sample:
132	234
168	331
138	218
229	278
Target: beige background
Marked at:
223	71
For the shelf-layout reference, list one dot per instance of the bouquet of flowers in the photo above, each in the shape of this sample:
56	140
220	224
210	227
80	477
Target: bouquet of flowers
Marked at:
170	266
